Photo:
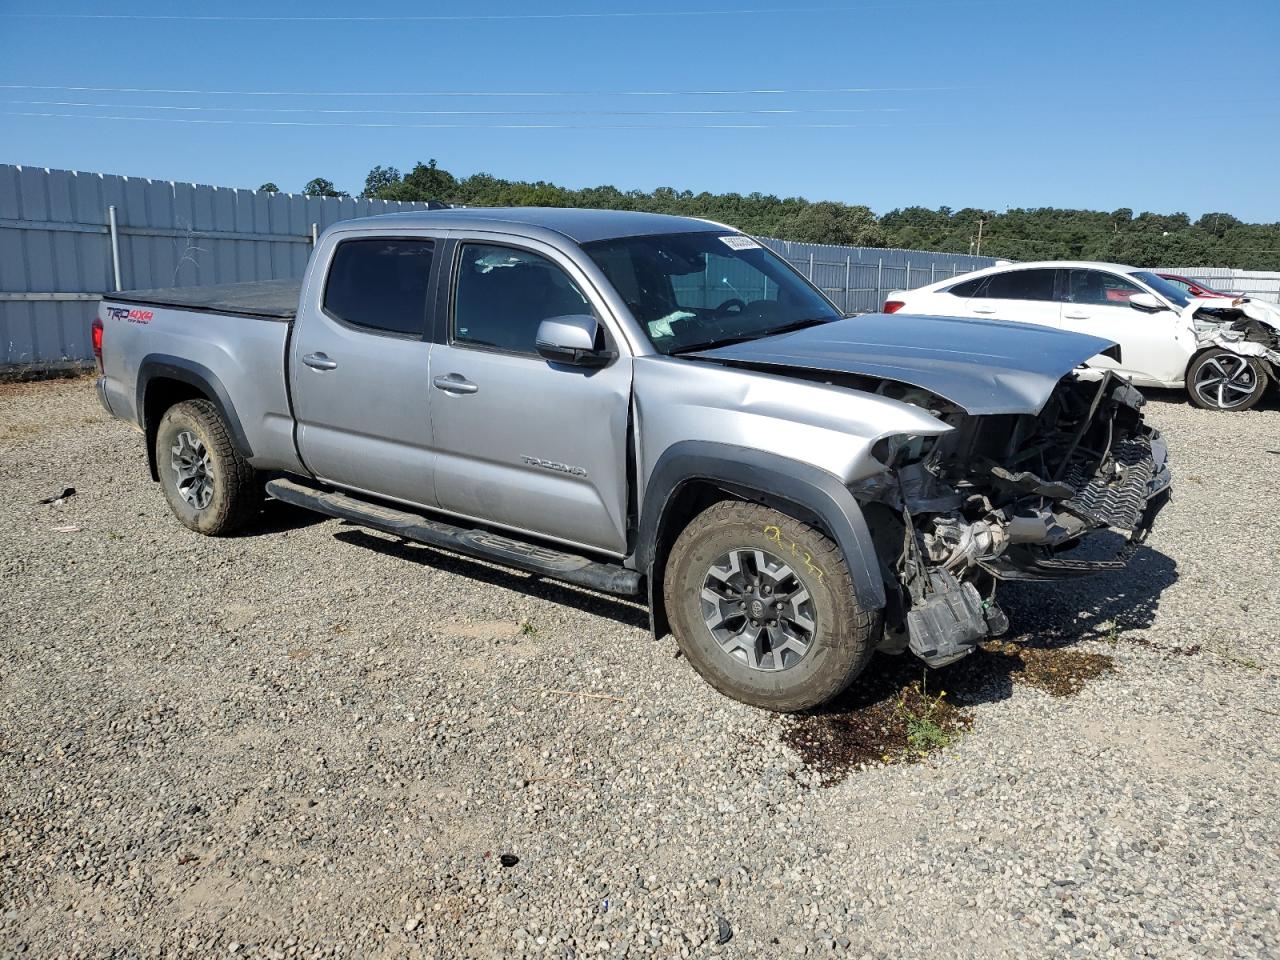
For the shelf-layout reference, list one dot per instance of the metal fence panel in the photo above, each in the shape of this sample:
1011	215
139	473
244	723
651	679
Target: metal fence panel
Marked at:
56	256
1262	284
859	278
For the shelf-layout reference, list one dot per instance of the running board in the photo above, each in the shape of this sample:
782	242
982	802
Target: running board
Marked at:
481	544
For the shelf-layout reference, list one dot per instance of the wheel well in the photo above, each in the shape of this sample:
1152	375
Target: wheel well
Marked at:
688	500
163	393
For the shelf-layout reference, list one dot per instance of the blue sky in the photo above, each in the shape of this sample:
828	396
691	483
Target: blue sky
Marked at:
1079	103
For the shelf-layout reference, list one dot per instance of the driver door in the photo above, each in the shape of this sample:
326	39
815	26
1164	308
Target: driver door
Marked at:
522	442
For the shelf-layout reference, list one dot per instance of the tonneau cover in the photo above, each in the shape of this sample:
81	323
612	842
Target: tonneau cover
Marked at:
277	299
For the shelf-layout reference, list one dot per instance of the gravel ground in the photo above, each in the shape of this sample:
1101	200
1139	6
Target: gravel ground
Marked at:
312	741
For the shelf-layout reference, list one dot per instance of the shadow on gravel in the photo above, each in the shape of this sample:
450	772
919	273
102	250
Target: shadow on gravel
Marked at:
898	710
277	517
1101	607
631	614
1270	402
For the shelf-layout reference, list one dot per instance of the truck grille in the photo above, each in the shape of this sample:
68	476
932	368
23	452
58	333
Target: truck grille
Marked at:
1115	501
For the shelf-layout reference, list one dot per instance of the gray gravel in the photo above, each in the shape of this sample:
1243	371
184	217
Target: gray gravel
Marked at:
312	741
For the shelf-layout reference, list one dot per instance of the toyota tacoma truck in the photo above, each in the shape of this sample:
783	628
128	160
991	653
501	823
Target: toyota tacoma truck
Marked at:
650	406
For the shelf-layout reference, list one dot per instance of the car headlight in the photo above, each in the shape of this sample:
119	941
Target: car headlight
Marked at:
899	449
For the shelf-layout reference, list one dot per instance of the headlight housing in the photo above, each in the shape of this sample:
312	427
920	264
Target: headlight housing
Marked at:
899	449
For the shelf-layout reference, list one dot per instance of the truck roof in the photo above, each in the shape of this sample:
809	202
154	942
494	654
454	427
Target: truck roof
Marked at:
578	224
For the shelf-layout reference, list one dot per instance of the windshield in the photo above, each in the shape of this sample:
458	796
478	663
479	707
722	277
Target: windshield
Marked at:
1170	291
697	290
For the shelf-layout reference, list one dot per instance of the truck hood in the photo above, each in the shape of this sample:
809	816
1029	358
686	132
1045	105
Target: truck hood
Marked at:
982	366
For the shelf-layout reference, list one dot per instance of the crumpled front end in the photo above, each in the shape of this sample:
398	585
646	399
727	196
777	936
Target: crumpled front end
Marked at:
1007	497
1247	327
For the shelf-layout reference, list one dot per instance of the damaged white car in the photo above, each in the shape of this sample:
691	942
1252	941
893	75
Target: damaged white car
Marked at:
1224	353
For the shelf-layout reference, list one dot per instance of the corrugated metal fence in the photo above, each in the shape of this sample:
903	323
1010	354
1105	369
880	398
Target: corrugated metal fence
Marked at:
857	278
57	254
56	251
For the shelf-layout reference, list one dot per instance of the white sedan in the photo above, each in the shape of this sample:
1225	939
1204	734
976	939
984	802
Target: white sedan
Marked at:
1223	352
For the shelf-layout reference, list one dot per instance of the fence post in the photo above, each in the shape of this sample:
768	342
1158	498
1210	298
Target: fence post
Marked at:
811	268
315	234
848	273
115	246
880	283
933	273
907	285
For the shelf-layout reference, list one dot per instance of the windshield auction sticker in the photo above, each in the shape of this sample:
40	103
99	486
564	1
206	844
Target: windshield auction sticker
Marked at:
740	243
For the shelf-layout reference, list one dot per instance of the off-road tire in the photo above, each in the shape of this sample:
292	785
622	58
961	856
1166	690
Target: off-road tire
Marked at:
237	496
1256	366
845	634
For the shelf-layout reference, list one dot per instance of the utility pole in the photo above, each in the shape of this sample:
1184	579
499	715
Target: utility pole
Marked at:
979	250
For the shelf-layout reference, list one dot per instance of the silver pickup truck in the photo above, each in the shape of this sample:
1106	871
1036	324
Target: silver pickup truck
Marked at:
646	405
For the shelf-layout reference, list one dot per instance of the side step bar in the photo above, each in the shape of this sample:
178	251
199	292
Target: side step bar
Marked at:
482	544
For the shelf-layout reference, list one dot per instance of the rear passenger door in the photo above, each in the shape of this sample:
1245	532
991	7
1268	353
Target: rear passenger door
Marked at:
1025	296
522	442
358	367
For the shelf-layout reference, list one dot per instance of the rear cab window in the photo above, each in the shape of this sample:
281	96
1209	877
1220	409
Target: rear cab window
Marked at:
380	284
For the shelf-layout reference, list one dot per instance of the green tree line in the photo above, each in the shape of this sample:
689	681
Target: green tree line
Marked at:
1042	233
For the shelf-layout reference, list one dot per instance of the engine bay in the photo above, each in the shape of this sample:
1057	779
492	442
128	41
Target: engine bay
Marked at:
1005	497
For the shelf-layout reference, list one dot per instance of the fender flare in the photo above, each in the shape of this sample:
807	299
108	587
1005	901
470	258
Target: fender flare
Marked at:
157	366
762	477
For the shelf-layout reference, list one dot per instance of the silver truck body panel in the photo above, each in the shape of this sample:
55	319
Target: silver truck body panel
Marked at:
246	354
828	427
983	366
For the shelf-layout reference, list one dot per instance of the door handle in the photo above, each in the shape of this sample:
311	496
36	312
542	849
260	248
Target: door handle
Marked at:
984	309
1077	315
455	383
319	361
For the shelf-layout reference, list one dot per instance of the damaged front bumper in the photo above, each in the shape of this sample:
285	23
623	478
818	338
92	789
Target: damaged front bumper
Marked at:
1009	499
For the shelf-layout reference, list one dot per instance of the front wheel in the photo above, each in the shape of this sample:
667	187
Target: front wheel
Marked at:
210	487
1222	380
763	607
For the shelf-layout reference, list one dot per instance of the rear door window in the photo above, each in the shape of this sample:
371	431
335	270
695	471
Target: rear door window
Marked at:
380	284
1034	284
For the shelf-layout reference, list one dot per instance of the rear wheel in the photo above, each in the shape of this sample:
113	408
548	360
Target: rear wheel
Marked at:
1222	380
210	487
764	609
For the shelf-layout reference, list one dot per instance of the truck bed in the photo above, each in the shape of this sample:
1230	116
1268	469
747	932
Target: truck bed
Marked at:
273	299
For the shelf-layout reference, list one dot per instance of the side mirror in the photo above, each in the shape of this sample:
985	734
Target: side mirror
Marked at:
1146	301
573	340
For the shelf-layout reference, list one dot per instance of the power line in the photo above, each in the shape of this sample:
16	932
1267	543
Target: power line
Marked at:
496	17
466	126
484	113
483	93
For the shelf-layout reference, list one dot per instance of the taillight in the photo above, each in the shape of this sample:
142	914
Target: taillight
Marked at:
893	306
97	341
